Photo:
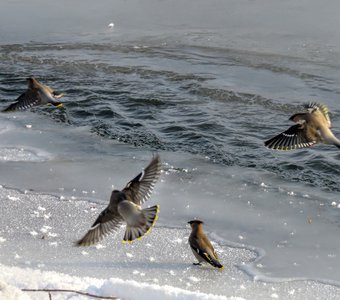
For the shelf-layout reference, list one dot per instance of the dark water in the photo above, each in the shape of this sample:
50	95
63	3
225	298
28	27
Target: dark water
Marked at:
171	98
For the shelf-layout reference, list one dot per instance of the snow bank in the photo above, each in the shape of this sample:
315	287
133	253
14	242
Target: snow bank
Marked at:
13	279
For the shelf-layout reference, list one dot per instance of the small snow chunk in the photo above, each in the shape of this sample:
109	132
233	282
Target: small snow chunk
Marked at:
242	287
84	252
111	25
333	203
142	274
41	265
135	272
291	292
61	197
17	256
100	246
93	192
53	244
194	279
188	206
148	245
172	273
264	185
34	233
85	192
275	296
291	193
2	239
73	197
45	228
241	237
152	258
41	208
51	234
338	206
13	198
178	241
47	216
155	280
129	254
28	126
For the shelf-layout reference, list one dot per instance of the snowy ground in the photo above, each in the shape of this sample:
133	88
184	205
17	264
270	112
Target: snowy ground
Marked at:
36	251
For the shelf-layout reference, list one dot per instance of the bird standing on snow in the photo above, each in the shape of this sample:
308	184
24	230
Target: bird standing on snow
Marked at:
313	127
124	206
36	94
201	246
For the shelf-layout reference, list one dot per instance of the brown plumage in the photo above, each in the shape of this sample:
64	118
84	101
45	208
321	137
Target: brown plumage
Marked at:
201	246
36	94
125	206
313	127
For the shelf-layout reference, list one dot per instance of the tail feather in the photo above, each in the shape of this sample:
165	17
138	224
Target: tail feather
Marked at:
216	264
137	232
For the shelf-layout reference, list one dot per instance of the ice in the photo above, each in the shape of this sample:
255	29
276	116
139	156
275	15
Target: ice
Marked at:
278	249
170	262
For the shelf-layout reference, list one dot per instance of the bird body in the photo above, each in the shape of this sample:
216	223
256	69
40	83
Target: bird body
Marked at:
201	246
36	94
125	206
313	127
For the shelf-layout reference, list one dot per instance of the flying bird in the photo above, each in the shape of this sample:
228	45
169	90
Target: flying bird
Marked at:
201	246
312	127
36	94
125	207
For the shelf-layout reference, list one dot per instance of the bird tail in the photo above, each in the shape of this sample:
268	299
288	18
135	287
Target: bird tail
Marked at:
215	263
57	104
137	232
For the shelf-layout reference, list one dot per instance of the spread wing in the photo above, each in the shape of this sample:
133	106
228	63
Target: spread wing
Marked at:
106	223
293	138
28	99
140	188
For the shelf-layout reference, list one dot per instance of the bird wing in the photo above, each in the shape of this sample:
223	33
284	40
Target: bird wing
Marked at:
26	100
294	137
106	223
204	252
139	189
319	107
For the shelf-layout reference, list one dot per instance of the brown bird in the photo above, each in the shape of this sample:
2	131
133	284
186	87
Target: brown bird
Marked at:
313	127
201	246
36	94
125	206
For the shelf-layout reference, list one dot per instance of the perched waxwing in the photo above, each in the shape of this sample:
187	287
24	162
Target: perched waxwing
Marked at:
313	127
36	94
201	246
125	206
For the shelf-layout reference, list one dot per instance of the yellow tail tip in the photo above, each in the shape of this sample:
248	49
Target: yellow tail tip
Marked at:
221	268
60	105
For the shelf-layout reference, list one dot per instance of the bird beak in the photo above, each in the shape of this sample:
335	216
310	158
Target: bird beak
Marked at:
60	105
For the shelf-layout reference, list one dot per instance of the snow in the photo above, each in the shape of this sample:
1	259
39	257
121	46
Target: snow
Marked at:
13	279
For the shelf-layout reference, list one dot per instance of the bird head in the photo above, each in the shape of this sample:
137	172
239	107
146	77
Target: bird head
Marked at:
195	223
32	82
